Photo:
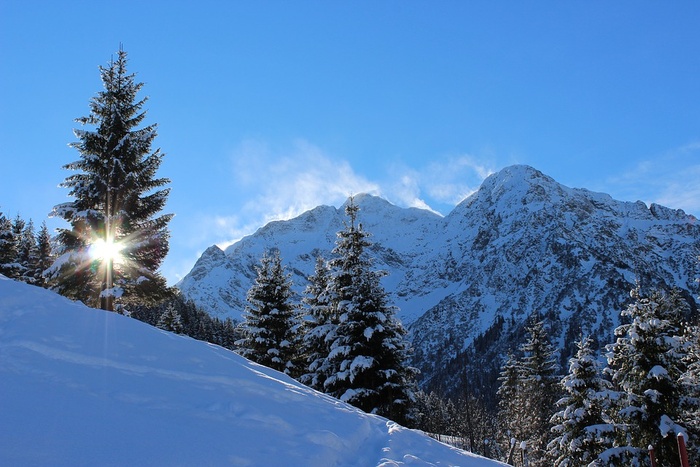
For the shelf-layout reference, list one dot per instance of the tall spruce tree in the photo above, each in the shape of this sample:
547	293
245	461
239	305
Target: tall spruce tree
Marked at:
510	404
580	428
16	267
8	256
115	213
44	254
27	253
690	401
528	393
269	321
319	328
369	355
691	382
540	378
646	364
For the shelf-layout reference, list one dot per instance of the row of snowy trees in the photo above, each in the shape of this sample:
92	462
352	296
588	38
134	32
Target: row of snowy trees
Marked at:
343	338
181	316
645	392
24	253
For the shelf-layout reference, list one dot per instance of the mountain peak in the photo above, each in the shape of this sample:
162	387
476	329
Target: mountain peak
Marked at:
522	243
517	180
367	201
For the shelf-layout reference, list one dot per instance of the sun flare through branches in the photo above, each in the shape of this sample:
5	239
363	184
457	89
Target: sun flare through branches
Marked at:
107	250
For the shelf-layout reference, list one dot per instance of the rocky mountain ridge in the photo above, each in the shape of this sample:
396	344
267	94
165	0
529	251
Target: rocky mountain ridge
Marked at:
519	245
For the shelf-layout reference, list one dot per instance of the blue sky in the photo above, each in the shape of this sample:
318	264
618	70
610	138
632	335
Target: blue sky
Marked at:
267	109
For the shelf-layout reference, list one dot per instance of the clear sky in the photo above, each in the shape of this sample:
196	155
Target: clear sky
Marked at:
269	108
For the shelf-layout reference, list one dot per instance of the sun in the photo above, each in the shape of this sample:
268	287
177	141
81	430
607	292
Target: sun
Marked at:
106	250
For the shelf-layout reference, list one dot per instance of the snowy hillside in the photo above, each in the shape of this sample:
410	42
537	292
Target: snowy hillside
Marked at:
521	244
85	387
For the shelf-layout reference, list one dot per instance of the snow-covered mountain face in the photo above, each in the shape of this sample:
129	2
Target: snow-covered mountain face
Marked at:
521	244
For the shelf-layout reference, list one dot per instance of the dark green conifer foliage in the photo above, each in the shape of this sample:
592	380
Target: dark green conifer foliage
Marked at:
690	401
369	354
269	322
320	324
540	384
117	201
510	394
27	253
580	429
646	363
528	393
170	320
7	247
44	254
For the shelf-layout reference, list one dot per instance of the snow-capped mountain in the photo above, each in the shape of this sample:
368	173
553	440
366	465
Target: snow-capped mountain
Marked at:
80	386
522	243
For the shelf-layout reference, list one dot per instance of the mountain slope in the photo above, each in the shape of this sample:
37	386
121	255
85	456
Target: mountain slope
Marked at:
85	387
521	244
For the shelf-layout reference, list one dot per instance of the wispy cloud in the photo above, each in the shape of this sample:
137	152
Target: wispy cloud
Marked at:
443	182
286	182
277	183
672	179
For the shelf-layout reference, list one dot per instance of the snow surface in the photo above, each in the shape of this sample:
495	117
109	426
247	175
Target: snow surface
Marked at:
80	386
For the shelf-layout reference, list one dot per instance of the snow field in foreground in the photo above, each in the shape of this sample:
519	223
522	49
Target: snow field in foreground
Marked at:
85	387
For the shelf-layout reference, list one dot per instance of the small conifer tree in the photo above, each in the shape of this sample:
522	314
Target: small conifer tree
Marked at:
269	320
44	253
27	253
581	431
170	320
7	247
528	393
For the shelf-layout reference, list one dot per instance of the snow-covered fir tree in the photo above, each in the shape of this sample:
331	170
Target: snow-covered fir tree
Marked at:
269	323
44	254
510	413
691	382
8	254
690	401
15	267
170	320
117	201
580	429
319	327
528	393
369	355
645	365
27	253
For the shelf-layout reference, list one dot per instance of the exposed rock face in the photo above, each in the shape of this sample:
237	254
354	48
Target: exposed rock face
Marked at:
521	244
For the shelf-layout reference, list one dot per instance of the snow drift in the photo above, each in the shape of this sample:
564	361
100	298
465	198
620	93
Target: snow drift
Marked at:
80	386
